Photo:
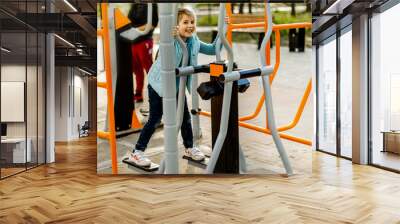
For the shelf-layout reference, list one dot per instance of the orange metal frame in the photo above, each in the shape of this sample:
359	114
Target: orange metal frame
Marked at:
276	29
120	21
110	134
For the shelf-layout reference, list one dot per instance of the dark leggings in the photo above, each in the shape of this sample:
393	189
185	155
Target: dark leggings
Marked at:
156	112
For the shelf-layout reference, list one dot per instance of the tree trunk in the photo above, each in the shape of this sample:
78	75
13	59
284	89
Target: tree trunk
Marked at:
209	13
250	9
293	5
241	6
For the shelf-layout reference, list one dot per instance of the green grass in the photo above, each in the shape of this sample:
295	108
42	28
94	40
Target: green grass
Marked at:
205	5
204	20
238	37
278	18
285	17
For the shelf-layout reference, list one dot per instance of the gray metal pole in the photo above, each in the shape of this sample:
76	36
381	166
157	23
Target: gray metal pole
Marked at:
221	23
194	84
268	100
272	126
218	43
195	106
226	98
167	49
266	36
217	49
242	161
113	54
182	85
50	93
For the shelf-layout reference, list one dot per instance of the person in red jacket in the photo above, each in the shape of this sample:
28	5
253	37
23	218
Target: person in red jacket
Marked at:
142	47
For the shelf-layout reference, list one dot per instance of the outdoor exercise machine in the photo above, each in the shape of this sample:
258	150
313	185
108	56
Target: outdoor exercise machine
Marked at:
242	120
126	120
214	90
115	31
170	164
129	34
134	33
228	78
169	77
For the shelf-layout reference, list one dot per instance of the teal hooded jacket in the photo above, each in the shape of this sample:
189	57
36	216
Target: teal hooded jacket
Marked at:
195	46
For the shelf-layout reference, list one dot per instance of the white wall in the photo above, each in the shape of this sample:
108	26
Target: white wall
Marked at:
79	117
50	94
33	126
70	83
17	73
61	103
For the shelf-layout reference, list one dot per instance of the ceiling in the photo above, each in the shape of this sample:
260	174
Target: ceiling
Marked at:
329	15
77	27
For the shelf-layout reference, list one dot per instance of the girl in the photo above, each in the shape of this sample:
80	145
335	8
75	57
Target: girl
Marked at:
186	30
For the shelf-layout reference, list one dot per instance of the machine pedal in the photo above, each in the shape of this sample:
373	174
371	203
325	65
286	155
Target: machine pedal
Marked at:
153	166
201	164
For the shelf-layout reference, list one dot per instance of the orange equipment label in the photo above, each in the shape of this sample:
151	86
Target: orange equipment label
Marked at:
216	69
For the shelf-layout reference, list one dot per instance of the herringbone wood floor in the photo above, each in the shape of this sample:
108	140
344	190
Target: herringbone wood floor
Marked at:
69	191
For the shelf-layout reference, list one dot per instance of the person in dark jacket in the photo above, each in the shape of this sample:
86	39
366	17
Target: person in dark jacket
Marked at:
142	47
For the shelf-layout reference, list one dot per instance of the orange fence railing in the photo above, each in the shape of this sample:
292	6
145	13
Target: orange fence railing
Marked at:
276	28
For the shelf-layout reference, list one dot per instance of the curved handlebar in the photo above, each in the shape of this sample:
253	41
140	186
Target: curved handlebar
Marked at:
267	35
218	43
189	70
182	44
245	73
184	51
222	37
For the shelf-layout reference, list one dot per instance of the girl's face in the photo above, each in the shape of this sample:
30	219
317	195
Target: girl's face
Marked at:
186	26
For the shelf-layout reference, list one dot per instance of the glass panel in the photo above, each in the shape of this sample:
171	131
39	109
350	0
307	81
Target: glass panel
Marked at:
11	21
346	94
41	79
31	97
41	99
327	97
31	85
385	115
13	92
22	78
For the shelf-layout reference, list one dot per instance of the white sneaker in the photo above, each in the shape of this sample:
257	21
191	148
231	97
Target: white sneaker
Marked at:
194	153
139	158
206	150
